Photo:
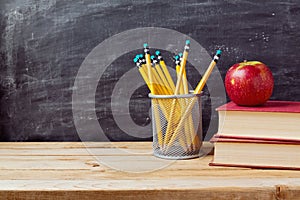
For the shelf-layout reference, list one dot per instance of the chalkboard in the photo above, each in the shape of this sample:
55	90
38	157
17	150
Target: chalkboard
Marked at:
44	43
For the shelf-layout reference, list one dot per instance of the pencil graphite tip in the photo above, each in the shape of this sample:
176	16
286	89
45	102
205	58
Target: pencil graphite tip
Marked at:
146	45
187	42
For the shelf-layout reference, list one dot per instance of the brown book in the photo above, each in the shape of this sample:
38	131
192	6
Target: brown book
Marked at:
256	153
274	119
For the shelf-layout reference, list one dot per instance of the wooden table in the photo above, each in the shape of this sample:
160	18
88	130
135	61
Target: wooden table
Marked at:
80	171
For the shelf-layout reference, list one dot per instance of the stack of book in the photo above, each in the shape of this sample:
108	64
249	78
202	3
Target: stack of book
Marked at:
266	136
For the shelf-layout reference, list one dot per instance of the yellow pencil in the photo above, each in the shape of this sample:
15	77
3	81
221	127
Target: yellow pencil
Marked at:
202	83
182	65
158	82
156	103
158	89
181	90
144	75
151	80
165	70
143	67
162	76
173	120
198	90
190	125
158	123
148	64
186	133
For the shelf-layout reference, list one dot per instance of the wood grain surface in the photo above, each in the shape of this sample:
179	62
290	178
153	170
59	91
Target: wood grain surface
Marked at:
72	171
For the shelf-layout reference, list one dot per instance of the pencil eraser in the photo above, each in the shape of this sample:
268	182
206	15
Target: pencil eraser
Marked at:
135	59
157	52
176	57
180	54
145	45
219	52
187	42
141	55
152	57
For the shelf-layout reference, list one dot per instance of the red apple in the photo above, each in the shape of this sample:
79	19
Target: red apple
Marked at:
249	83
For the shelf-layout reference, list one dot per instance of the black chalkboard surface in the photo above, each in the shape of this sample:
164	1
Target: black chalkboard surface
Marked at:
44	43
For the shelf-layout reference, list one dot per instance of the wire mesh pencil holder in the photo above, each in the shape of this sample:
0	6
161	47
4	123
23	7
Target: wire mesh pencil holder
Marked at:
177	126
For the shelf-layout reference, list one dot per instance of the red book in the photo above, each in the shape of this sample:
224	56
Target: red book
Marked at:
269	106
224	138
256	153
273	120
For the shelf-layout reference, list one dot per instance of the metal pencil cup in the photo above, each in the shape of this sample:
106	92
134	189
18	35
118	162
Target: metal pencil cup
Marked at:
177	126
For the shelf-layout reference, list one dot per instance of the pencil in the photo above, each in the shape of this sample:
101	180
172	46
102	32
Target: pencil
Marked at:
169	80
148	64
157	124
198	90
151	79
165	70
161	75
164	105
156	86
183	105
173	120
182	65
191	134
138	63
177	66
202	83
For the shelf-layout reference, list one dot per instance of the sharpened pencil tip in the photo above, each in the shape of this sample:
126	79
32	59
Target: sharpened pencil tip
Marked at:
187	42
146	45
